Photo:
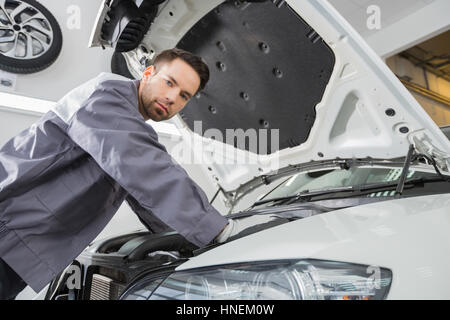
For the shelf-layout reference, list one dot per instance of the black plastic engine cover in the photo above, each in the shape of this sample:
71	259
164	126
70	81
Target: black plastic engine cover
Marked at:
269	70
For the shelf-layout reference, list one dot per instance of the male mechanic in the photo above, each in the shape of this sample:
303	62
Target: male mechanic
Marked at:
63	179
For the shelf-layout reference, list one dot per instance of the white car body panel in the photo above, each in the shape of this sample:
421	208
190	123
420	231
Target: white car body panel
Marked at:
408	236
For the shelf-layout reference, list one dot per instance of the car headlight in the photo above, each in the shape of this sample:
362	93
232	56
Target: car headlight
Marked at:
285	280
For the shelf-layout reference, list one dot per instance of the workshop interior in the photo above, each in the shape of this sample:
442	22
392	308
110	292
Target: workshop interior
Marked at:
323	135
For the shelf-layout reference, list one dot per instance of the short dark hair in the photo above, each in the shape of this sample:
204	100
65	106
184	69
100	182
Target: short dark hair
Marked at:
196	62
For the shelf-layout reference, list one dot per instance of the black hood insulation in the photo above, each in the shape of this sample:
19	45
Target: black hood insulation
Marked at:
268	70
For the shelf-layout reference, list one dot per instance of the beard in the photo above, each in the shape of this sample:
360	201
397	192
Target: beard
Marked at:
148	106
153	111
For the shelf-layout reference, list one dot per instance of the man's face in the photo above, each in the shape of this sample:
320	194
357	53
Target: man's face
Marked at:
164	93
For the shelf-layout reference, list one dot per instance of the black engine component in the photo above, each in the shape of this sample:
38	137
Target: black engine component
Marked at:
138	248
109	266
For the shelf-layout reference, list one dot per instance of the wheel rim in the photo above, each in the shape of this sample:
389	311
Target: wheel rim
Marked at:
25	33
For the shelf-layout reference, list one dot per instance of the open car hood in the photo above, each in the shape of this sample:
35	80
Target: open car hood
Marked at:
294	74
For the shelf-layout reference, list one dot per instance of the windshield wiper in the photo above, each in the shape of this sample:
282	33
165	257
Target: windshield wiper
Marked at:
358	190
401	182
306	195
303	194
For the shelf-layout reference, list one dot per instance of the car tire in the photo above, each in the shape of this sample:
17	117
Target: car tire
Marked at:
22	55
119	65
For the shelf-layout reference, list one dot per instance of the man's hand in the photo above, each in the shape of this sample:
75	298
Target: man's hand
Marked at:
236	226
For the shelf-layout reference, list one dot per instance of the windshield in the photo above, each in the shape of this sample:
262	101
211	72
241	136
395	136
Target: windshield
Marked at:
323	180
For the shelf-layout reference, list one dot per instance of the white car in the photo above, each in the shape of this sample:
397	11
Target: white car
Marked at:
354	196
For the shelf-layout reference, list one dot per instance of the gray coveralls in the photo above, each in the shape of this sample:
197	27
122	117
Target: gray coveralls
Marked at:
63	179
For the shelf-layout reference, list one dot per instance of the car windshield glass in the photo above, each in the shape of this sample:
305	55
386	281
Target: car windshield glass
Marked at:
341	178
